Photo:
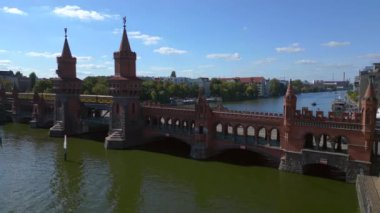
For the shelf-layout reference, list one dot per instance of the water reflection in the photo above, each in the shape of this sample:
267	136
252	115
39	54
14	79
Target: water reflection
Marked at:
36	179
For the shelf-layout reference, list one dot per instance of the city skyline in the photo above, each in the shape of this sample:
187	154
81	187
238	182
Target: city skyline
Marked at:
313	40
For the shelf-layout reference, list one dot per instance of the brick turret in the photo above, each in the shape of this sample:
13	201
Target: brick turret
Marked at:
67	110
369	109
126	123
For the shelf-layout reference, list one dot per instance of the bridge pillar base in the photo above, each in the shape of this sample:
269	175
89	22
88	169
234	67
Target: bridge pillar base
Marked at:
357	167
113	144
291	162
199	151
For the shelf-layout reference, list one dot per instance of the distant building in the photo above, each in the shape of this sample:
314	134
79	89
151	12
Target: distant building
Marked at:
340	85
260	82
370	72
22	83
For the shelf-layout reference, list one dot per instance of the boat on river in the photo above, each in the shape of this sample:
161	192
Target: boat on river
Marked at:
343	105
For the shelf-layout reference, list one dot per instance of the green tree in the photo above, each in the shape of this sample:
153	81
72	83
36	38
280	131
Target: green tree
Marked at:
251	91
6	84
43	85
100	89
33	78
275	88
18	74
95	85
173	74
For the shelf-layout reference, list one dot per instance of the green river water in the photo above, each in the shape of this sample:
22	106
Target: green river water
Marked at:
35	178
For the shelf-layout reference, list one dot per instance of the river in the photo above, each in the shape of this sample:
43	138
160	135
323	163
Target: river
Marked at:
322	100
35	178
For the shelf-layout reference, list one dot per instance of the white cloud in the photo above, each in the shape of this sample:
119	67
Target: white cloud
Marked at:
92	66
84	58
372	56
43	54
336	43
117	31
147	39
5	62
169	51
74	11
13	10
264	61
293	48
225	56
306	61
3	51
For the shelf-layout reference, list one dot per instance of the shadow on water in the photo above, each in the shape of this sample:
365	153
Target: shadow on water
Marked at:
98	135
324	171
166	145
245	158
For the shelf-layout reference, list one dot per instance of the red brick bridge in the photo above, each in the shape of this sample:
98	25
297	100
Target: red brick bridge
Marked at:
296	138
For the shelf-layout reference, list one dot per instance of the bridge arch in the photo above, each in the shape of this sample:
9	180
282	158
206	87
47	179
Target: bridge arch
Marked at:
219	131
262	136
251	136
246	157
167	145
230	132
309	141
325	171
274	137
341	144
240	133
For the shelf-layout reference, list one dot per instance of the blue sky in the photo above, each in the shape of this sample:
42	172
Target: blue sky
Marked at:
298	39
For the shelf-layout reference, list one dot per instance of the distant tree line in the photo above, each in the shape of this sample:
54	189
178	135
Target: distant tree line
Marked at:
162	91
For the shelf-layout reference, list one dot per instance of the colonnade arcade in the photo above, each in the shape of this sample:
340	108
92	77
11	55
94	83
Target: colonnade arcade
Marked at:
248	134
173	125
326	143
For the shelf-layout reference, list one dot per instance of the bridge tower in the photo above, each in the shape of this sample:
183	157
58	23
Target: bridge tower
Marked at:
291	159
126	123
67	106
203	131
361	153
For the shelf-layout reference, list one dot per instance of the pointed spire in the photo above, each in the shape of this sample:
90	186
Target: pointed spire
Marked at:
290	91
66	49
124	45
370	92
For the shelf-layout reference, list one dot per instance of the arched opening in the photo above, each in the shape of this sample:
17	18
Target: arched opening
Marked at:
185	126
274	137
154	122
167	145
177	125
326	143
251	138
219	131
169	124
230	132
309	141
262	136
324	170
341	144
240	138
246	158
162	122
192	127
